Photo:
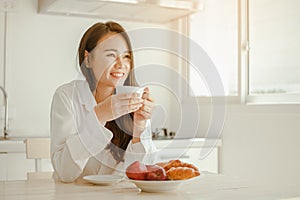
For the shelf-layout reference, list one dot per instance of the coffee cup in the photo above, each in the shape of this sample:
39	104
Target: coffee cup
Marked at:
129	90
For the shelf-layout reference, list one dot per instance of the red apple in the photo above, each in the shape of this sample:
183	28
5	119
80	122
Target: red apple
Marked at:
136	171
155	172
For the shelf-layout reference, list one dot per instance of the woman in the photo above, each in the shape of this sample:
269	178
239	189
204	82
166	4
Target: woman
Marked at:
93	130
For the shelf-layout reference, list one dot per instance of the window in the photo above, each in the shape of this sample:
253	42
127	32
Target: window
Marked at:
254	45
218	16
274	64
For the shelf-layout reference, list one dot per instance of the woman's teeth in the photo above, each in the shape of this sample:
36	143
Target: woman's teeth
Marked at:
117	74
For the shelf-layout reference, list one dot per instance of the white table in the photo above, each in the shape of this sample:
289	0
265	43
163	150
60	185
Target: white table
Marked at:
207	187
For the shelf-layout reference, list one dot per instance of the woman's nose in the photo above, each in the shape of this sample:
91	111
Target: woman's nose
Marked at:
120	62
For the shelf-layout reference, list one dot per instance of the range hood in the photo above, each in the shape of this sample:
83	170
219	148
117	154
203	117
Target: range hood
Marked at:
156	11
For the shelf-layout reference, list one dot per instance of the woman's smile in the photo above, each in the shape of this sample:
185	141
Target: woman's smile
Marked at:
117	74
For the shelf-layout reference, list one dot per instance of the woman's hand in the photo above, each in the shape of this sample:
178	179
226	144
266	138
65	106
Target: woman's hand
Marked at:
117	105
142	115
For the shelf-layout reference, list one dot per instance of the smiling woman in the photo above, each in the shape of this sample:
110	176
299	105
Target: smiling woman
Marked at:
93	130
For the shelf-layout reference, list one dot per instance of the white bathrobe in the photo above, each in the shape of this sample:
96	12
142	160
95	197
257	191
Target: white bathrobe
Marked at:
78	140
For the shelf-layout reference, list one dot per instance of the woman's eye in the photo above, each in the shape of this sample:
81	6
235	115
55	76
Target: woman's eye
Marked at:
127	56
111	55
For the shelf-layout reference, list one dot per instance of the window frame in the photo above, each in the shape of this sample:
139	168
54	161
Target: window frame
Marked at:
243	52
245	47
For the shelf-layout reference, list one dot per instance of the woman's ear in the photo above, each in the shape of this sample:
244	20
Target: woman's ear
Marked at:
86	53
86	59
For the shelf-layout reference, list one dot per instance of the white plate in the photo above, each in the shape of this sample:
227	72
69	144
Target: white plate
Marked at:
103	179
159	186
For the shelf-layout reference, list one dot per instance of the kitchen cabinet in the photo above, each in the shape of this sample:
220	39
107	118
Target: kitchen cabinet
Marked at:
14	166
189	152
142	11
3	167
18	166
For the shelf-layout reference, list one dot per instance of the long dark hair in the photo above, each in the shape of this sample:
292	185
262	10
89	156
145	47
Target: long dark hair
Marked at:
123	126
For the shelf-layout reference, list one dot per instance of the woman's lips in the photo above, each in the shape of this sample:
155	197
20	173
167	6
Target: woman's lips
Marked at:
117	74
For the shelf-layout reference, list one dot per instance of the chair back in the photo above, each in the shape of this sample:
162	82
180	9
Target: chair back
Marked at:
38	149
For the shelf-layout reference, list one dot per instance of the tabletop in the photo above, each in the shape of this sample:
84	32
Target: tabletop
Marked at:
209	186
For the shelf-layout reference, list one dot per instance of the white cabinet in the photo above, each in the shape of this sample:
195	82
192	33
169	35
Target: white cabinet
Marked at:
13	162
190	154
18	166
3	166
208	163
143	11
14	166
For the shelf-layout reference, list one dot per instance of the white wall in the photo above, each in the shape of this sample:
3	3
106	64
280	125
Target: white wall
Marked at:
261	144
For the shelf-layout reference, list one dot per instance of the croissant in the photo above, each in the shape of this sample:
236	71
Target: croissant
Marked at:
181	173
172	163
190	166
161	164
177	163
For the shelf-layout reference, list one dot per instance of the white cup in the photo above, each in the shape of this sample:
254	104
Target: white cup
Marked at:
130	90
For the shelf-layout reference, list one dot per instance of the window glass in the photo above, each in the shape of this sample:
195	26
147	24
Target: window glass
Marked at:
215	30
274	37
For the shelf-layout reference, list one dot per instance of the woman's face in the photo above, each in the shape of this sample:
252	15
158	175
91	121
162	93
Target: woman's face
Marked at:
110	60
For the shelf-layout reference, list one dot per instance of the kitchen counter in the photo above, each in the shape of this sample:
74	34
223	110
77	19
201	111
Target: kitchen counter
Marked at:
12	146
17	145
13	155
188	142
209	186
